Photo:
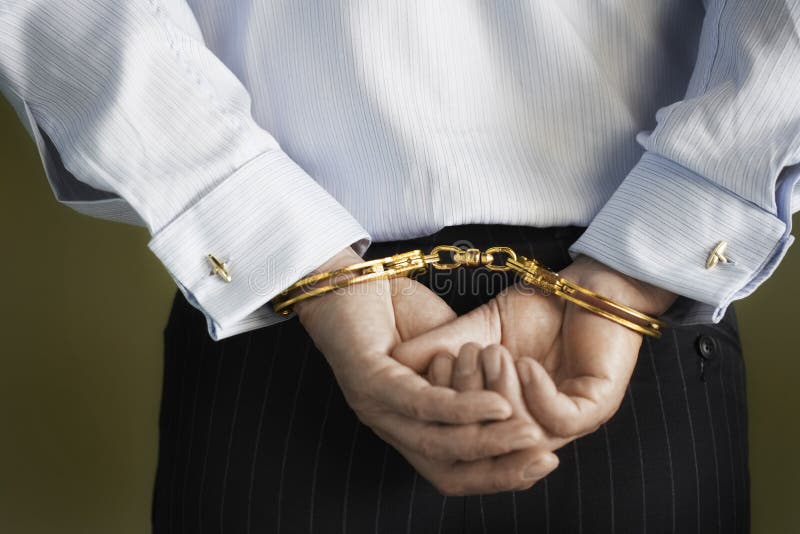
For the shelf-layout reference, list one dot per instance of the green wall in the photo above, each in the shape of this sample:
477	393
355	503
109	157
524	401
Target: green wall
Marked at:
84	306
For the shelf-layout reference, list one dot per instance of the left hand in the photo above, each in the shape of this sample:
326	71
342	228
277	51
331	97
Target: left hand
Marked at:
574	366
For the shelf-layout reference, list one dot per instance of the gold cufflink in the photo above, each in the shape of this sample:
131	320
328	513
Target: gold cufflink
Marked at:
717	255
219	268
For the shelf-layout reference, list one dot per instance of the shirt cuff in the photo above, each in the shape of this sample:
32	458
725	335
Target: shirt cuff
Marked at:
662	223
272	224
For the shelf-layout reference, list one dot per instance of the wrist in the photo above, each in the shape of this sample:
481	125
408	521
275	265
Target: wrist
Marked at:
341	259
610	283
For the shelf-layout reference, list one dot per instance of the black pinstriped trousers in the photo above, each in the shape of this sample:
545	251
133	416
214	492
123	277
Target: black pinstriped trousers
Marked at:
257	437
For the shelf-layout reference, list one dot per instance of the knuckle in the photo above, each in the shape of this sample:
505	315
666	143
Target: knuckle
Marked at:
414	409
535	432
428	448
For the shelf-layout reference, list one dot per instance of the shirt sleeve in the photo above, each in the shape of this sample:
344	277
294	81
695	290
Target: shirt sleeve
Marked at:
720	165
139	108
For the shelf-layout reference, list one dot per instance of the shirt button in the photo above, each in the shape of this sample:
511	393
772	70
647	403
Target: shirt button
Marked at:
707	347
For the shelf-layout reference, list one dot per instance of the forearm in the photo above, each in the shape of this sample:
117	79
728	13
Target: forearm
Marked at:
137	107
720	166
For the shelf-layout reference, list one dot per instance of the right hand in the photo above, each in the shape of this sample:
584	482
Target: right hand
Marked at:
443	433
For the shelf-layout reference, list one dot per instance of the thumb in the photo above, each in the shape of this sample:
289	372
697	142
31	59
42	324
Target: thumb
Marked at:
480	326
417	309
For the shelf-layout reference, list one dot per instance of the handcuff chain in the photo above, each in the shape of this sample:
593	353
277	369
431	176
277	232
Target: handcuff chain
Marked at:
416	262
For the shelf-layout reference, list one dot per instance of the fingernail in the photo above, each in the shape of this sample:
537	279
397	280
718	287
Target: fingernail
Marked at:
533	471
491	365
468	363
501	412
524	373
439	371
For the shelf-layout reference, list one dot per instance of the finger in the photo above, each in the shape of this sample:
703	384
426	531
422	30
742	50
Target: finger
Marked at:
457	442
500	375
402	391
421	309
481	325
467	376
497	358
515	471
578	408
440	371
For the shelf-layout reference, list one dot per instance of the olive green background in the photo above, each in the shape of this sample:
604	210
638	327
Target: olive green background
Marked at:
84	306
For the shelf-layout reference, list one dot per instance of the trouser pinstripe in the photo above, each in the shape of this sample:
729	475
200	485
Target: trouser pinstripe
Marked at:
256	436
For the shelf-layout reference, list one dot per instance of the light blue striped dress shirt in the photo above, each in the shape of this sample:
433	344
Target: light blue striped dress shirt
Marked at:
275	133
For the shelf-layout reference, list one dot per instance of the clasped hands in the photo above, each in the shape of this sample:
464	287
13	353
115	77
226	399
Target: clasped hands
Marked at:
479	403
